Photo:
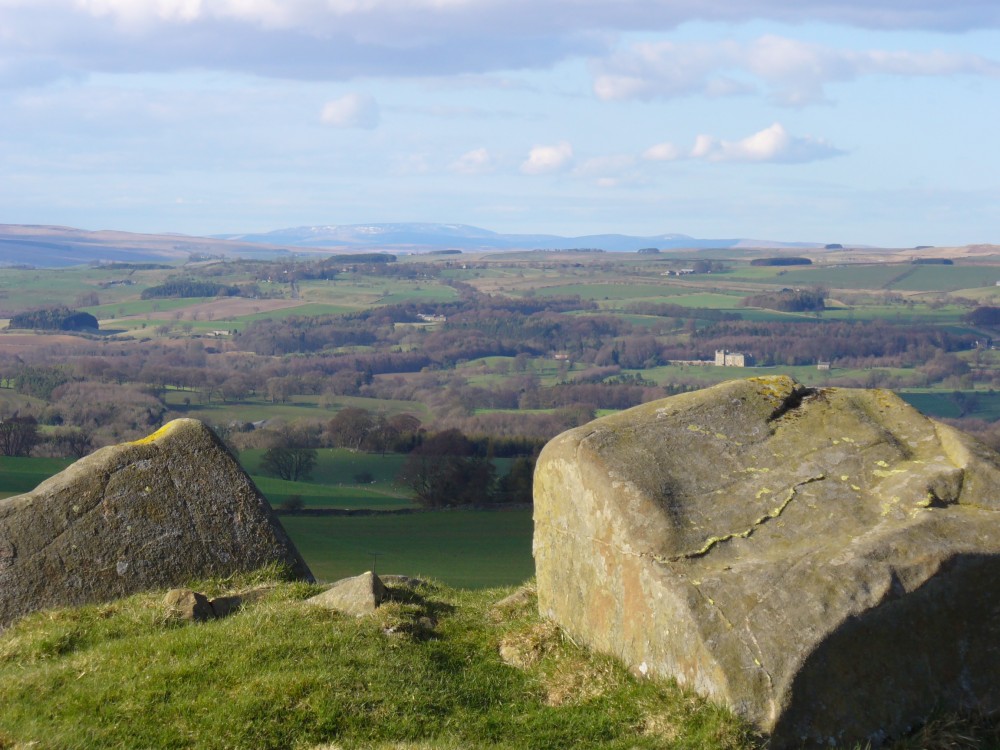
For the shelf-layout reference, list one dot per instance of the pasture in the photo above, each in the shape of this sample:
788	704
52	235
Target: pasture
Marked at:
462	548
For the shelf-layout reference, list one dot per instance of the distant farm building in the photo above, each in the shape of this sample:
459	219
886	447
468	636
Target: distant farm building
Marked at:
733	359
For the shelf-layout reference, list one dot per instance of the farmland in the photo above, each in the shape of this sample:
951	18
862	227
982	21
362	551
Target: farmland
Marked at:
504	350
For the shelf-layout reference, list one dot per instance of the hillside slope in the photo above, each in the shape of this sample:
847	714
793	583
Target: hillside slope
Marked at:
435	668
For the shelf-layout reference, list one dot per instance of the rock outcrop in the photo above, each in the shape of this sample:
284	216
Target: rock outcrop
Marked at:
155	513
826	562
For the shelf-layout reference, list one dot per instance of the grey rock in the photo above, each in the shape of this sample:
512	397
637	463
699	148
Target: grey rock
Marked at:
223	606
360	595
825	562
151	514
185	604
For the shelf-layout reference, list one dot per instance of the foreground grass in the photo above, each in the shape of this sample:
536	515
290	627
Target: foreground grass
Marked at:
435	668
424	671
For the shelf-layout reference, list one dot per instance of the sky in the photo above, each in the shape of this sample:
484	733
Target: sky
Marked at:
854	121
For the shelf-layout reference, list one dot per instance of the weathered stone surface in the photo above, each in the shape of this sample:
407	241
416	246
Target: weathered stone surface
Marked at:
155	513
826	562
185	604
360	595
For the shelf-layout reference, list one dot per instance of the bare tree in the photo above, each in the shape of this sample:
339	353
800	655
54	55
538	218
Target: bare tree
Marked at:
18	435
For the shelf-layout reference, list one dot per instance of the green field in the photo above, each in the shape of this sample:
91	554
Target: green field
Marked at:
333	482
18	475
297	407
980	404
466	549
470	549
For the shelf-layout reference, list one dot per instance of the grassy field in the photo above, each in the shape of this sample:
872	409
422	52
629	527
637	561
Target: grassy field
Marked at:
979	404
467	549
462	548
297	407
19	475
336	482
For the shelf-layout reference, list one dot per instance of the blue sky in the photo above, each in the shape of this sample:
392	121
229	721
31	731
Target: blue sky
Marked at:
855	121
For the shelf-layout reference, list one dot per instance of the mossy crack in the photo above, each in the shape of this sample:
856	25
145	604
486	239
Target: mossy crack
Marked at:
712	542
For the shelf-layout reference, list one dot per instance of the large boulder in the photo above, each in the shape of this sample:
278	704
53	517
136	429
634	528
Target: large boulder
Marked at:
155	513
824	561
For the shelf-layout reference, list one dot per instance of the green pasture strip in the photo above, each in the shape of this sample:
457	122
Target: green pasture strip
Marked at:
948	278
159	308
463	548
712	300
356	293
339	497
339	466
899	313
949	404
621	291
436	293
23	289
298	407
19	475
984	295
761	314
860	276
759	274
306	309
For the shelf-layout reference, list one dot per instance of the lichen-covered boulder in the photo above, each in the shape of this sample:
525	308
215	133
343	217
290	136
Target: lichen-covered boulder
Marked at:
826	562
154	513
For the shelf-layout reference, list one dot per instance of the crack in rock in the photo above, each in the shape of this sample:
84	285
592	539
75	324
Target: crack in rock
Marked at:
712	542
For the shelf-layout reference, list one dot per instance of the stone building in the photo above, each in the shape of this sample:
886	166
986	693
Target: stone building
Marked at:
732	359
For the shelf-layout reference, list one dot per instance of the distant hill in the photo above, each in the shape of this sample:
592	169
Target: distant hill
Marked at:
421	236
52	246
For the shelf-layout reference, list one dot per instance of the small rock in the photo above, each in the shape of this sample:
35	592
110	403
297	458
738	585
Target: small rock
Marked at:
521	601
223	606
360	595
185	604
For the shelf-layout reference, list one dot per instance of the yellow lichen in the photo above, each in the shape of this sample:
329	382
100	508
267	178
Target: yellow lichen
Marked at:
162	432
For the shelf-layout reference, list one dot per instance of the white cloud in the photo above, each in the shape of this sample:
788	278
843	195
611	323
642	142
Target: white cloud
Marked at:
351	111
345	39
548	159
477	161
773	145
665	151
791	71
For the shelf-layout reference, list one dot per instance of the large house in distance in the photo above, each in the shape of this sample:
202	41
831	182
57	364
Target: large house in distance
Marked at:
732	359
